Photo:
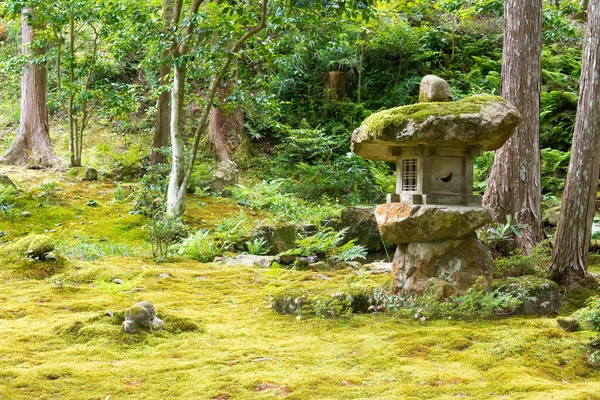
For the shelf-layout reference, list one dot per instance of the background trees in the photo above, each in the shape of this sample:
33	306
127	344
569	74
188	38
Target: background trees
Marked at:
514	187
572	243
32	141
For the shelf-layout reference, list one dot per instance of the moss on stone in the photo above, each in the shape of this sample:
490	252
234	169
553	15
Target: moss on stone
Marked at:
539	296
385	125
32	256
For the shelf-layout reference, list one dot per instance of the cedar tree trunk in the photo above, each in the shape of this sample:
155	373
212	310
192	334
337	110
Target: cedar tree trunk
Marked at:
573	235
163	114
513	186
32	142
226	134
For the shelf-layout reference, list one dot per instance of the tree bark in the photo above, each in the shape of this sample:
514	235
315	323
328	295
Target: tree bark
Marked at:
514	184
180	173
163	116
573	235
337	85
226	134
32	142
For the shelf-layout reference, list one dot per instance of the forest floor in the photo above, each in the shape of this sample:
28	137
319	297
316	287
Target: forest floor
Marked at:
221	339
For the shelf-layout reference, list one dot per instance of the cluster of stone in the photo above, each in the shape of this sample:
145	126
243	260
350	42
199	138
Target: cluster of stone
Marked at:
433	215
141	316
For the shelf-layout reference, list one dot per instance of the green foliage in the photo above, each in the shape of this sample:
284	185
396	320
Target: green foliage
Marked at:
474	304
557	119
589	316
554	169
92	251
270	196
257	246
327	243
498	232
518	264
201	246
122	294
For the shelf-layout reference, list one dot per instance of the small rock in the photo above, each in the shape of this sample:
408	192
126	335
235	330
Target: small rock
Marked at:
83	173
320	266
434	89
141	316
552	215
247	260
6	181
379	267
301	263
117	281
323	277
225	175
164	276
569	324
278	238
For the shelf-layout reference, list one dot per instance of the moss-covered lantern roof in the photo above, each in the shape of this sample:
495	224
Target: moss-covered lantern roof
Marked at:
482	120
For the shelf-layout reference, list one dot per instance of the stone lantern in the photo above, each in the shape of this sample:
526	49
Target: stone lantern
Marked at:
433	215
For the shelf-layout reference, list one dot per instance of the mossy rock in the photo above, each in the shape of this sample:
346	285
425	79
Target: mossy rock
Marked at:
83	173
484	120
539	296
323	304
32	256
278	238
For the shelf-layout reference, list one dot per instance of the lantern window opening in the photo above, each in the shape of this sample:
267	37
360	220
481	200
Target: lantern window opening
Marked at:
409	174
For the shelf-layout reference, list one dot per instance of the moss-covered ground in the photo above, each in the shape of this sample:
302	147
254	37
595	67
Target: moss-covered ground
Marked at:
222	341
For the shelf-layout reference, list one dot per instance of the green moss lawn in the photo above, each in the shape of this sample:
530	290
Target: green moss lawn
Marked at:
222	340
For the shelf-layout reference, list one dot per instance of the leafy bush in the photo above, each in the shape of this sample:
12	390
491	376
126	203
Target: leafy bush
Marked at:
257	246
554	167
497	232
472	305
326	243
590	315
201	246
269	196
518	264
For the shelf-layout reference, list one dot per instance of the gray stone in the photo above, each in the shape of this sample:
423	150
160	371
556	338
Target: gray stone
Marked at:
483	120
320	266
224	176
361	224
6	181
83	173
569	324
126	171
247	260
279	238
141	316
539	296
401	223
379	267
461	263
552	215
433	88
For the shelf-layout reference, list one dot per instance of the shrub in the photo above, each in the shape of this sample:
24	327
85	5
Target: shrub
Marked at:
590	315
518	264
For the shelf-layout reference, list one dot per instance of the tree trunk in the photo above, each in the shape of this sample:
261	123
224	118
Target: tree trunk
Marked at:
514	183
573	235
337	85
176	191
32	142
163	120
163	116
226	134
